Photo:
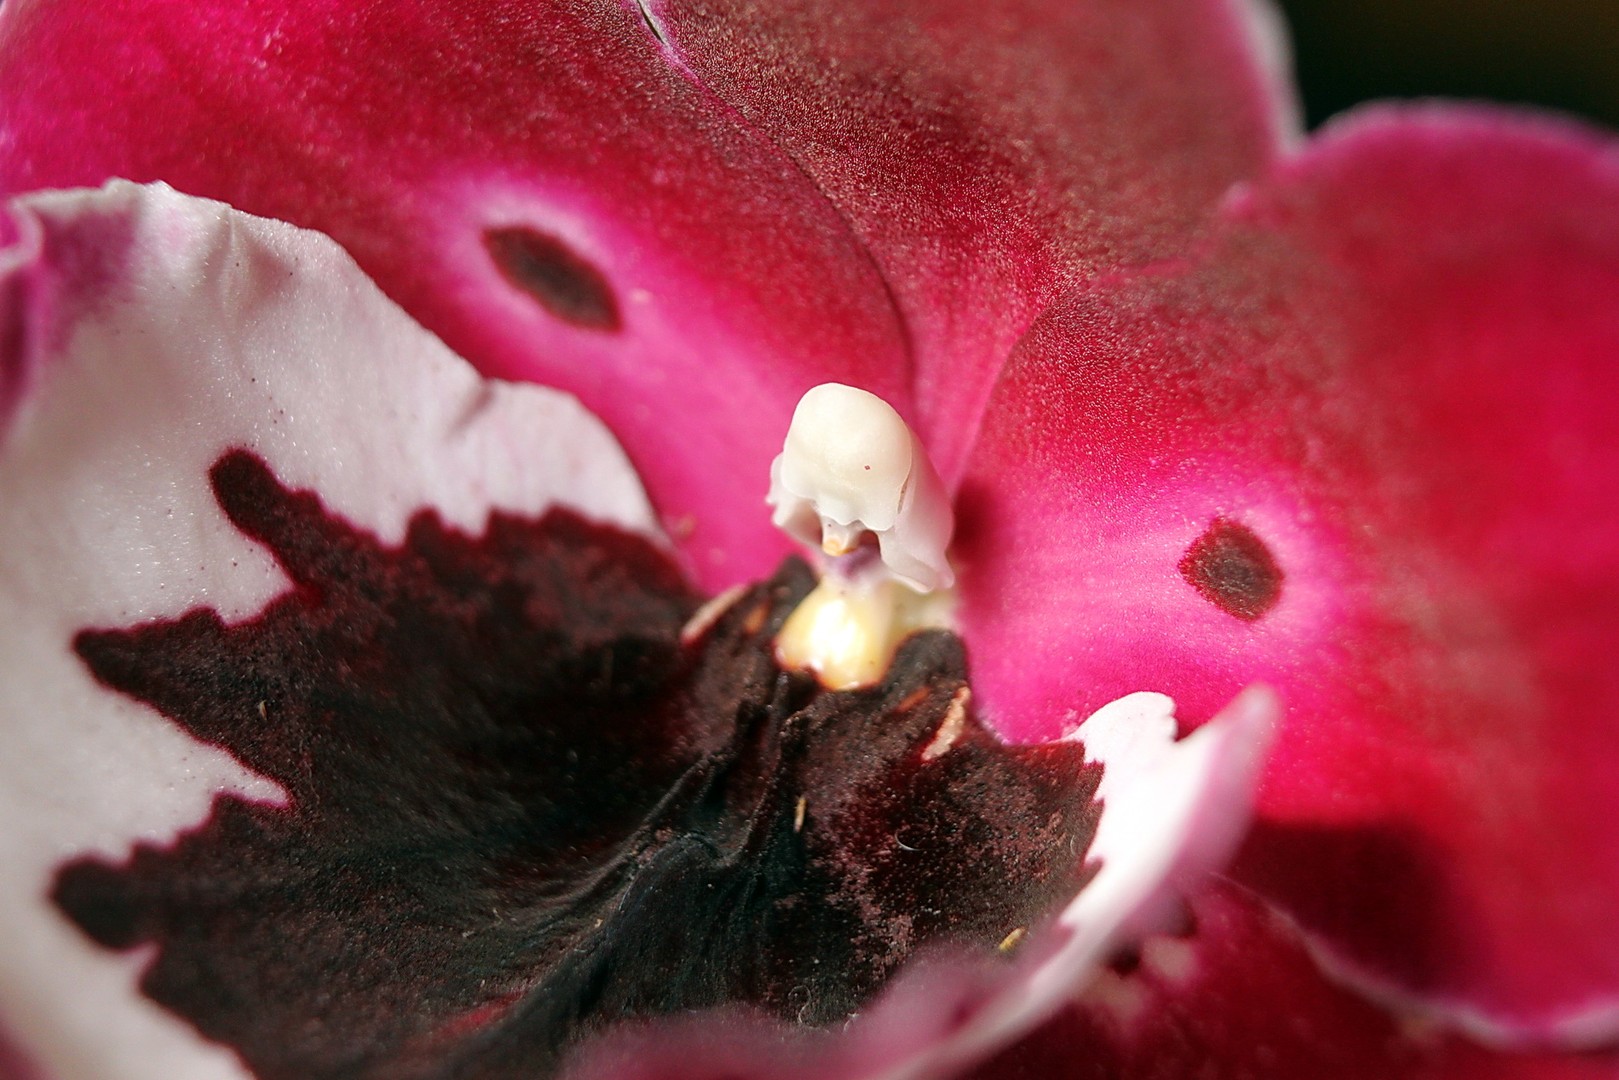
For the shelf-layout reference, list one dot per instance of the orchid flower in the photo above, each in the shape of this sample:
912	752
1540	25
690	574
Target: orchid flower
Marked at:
364	714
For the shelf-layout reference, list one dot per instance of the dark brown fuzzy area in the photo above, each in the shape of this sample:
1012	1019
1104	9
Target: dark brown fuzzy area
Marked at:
522	808
1234	570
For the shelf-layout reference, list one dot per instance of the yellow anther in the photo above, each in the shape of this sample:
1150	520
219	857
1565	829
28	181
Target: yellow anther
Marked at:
844	635
839	539
846	632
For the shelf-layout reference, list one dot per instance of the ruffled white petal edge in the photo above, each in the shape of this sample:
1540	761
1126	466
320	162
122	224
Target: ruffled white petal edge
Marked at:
143	333
1172	811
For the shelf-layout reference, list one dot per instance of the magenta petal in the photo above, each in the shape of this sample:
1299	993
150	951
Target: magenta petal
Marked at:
534	181
988	153
1240	997
1365	453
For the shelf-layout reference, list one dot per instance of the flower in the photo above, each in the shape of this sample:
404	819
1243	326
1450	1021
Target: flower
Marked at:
1216	408
504	793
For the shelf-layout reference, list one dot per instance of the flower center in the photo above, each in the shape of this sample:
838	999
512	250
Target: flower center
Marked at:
534	791
854	484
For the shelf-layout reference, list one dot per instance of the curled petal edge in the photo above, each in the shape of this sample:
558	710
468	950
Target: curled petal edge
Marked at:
1172	812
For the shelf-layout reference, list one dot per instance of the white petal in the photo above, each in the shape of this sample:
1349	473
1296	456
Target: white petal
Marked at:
143	333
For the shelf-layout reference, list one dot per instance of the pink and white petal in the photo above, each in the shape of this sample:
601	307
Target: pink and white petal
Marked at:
1362	452
533	181
1171	812
160	331
988	155
1239	996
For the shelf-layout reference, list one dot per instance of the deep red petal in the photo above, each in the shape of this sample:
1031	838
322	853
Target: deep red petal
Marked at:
1241	998
1393	383
987	153
674	270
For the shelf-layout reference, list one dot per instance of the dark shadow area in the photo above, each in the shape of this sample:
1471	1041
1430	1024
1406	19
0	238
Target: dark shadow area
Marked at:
1376	894
1554	53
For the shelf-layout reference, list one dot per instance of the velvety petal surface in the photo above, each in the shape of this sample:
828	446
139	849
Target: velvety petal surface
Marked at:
148	334
988	154
1238	995
553	189
1362	451
1170	813
535	182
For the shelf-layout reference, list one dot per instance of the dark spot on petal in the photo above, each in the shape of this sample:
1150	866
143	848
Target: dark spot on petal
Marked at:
521	810
1126	962
547	269
1234	570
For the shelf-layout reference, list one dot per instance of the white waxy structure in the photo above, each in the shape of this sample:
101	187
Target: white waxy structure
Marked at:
851	472
850	466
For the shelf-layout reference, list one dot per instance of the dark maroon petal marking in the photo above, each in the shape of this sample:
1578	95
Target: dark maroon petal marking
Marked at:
521	810
1233	569
547	269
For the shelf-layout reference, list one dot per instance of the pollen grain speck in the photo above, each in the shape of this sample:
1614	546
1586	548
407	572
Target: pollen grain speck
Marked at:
704	618
951	727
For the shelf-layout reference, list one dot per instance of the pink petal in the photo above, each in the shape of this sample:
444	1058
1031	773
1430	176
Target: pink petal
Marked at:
988	154
915	147
1240	997
677	272
262	336
1376	426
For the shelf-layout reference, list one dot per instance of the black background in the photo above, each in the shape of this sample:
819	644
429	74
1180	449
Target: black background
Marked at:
1558	53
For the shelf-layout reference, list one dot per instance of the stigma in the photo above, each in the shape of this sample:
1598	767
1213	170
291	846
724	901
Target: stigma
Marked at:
854	485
